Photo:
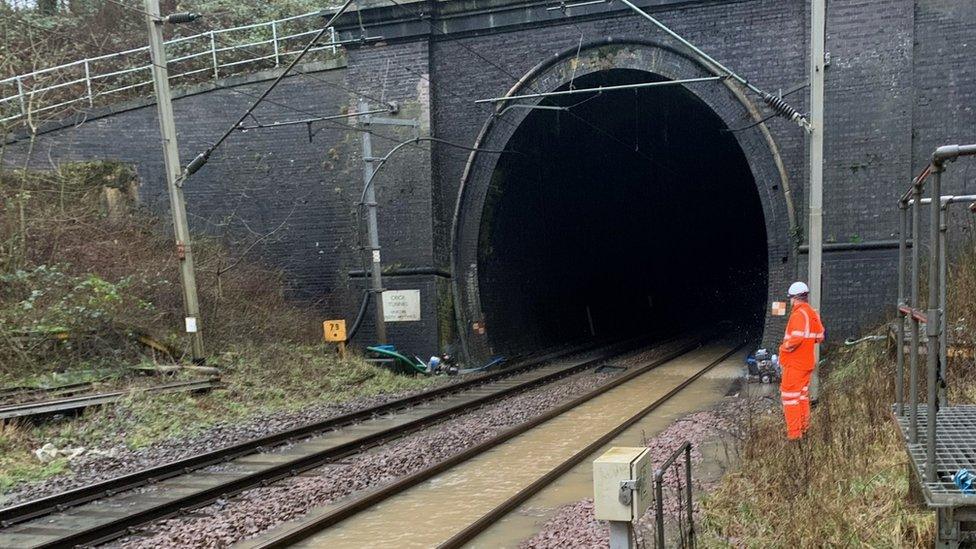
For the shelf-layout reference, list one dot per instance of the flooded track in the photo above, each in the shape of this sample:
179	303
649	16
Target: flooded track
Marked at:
234	469
577	484
451	507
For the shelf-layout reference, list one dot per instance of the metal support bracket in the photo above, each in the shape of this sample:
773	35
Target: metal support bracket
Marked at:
393	122
627	489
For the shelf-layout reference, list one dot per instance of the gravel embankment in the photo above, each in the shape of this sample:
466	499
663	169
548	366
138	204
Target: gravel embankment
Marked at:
119	460
257	510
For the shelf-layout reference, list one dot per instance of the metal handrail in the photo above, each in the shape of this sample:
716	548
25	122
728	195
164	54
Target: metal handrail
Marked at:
934	315
685	449
28	94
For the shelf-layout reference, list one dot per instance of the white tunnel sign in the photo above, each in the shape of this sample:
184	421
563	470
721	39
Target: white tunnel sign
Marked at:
401	305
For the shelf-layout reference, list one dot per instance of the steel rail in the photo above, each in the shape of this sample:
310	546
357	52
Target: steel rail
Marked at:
73	404
9	393
306	529
43	506
112	529
509	505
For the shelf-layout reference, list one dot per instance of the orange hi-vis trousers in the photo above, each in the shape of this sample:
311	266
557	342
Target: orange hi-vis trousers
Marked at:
795	393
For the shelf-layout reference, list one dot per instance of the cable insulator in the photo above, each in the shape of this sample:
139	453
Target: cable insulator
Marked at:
182	17
781	108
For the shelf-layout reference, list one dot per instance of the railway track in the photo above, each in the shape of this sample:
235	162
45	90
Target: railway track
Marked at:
16	395
449	503
69	405
109	509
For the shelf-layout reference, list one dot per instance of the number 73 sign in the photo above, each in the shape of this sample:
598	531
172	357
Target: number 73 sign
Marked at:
334	330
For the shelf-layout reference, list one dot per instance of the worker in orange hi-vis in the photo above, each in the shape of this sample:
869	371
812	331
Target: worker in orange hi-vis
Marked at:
804	332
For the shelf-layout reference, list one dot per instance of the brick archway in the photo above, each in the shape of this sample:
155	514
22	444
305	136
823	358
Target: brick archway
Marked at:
725	98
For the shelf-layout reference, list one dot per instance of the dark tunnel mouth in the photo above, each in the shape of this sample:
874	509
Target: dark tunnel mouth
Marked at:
633	212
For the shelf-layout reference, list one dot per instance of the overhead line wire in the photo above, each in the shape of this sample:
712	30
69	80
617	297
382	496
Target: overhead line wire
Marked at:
363	95
353	91
529	85
202	158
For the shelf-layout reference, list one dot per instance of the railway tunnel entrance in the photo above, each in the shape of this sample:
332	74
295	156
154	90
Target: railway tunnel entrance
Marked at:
618	214
631	212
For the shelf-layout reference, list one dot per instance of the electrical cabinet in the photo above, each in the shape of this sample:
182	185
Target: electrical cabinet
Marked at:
622	480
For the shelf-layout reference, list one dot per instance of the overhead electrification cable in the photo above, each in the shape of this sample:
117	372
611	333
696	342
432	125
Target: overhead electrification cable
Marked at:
608	134
202	158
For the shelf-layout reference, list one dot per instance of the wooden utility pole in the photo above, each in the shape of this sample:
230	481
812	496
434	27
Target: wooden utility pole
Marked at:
171	157
818	28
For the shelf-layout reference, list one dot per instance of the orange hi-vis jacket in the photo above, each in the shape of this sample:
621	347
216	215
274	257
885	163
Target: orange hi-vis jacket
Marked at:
803	332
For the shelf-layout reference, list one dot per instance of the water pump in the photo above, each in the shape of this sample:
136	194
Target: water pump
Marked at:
763	366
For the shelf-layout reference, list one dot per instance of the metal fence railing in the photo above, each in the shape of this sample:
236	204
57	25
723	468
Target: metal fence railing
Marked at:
686	520
58	91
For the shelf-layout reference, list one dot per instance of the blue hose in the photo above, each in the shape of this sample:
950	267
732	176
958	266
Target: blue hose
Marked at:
493	362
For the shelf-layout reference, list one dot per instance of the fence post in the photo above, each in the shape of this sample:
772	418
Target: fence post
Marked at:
213	54
691	512
659	500
91	102
332	38
20	94
274	40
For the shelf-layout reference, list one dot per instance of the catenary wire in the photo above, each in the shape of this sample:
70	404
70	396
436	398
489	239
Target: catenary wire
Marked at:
529	86
202	158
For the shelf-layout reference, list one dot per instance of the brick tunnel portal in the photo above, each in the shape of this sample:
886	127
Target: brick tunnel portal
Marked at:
631	212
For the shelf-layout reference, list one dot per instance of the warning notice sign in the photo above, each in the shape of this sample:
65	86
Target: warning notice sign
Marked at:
401	305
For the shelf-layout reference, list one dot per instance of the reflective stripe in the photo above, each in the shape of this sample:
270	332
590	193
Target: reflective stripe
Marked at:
806	317
804	398
808	335
786	394
791	402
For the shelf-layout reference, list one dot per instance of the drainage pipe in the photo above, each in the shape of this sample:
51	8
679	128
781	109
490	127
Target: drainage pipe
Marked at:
856	246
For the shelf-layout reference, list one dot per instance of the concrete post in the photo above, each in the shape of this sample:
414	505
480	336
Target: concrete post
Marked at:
376	273
817	50
621	534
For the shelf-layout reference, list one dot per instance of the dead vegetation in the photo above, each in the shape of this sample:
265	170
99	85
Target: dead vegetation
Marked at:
86	274
845	484
61	33
87	278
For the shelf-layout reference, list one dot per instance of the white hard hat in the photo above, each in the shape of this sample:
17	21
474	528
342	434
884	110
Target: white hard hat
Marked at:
798	288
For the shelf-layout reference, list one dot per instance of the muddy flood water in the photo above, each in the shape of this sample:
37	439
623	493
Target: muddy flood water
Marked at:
433	511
